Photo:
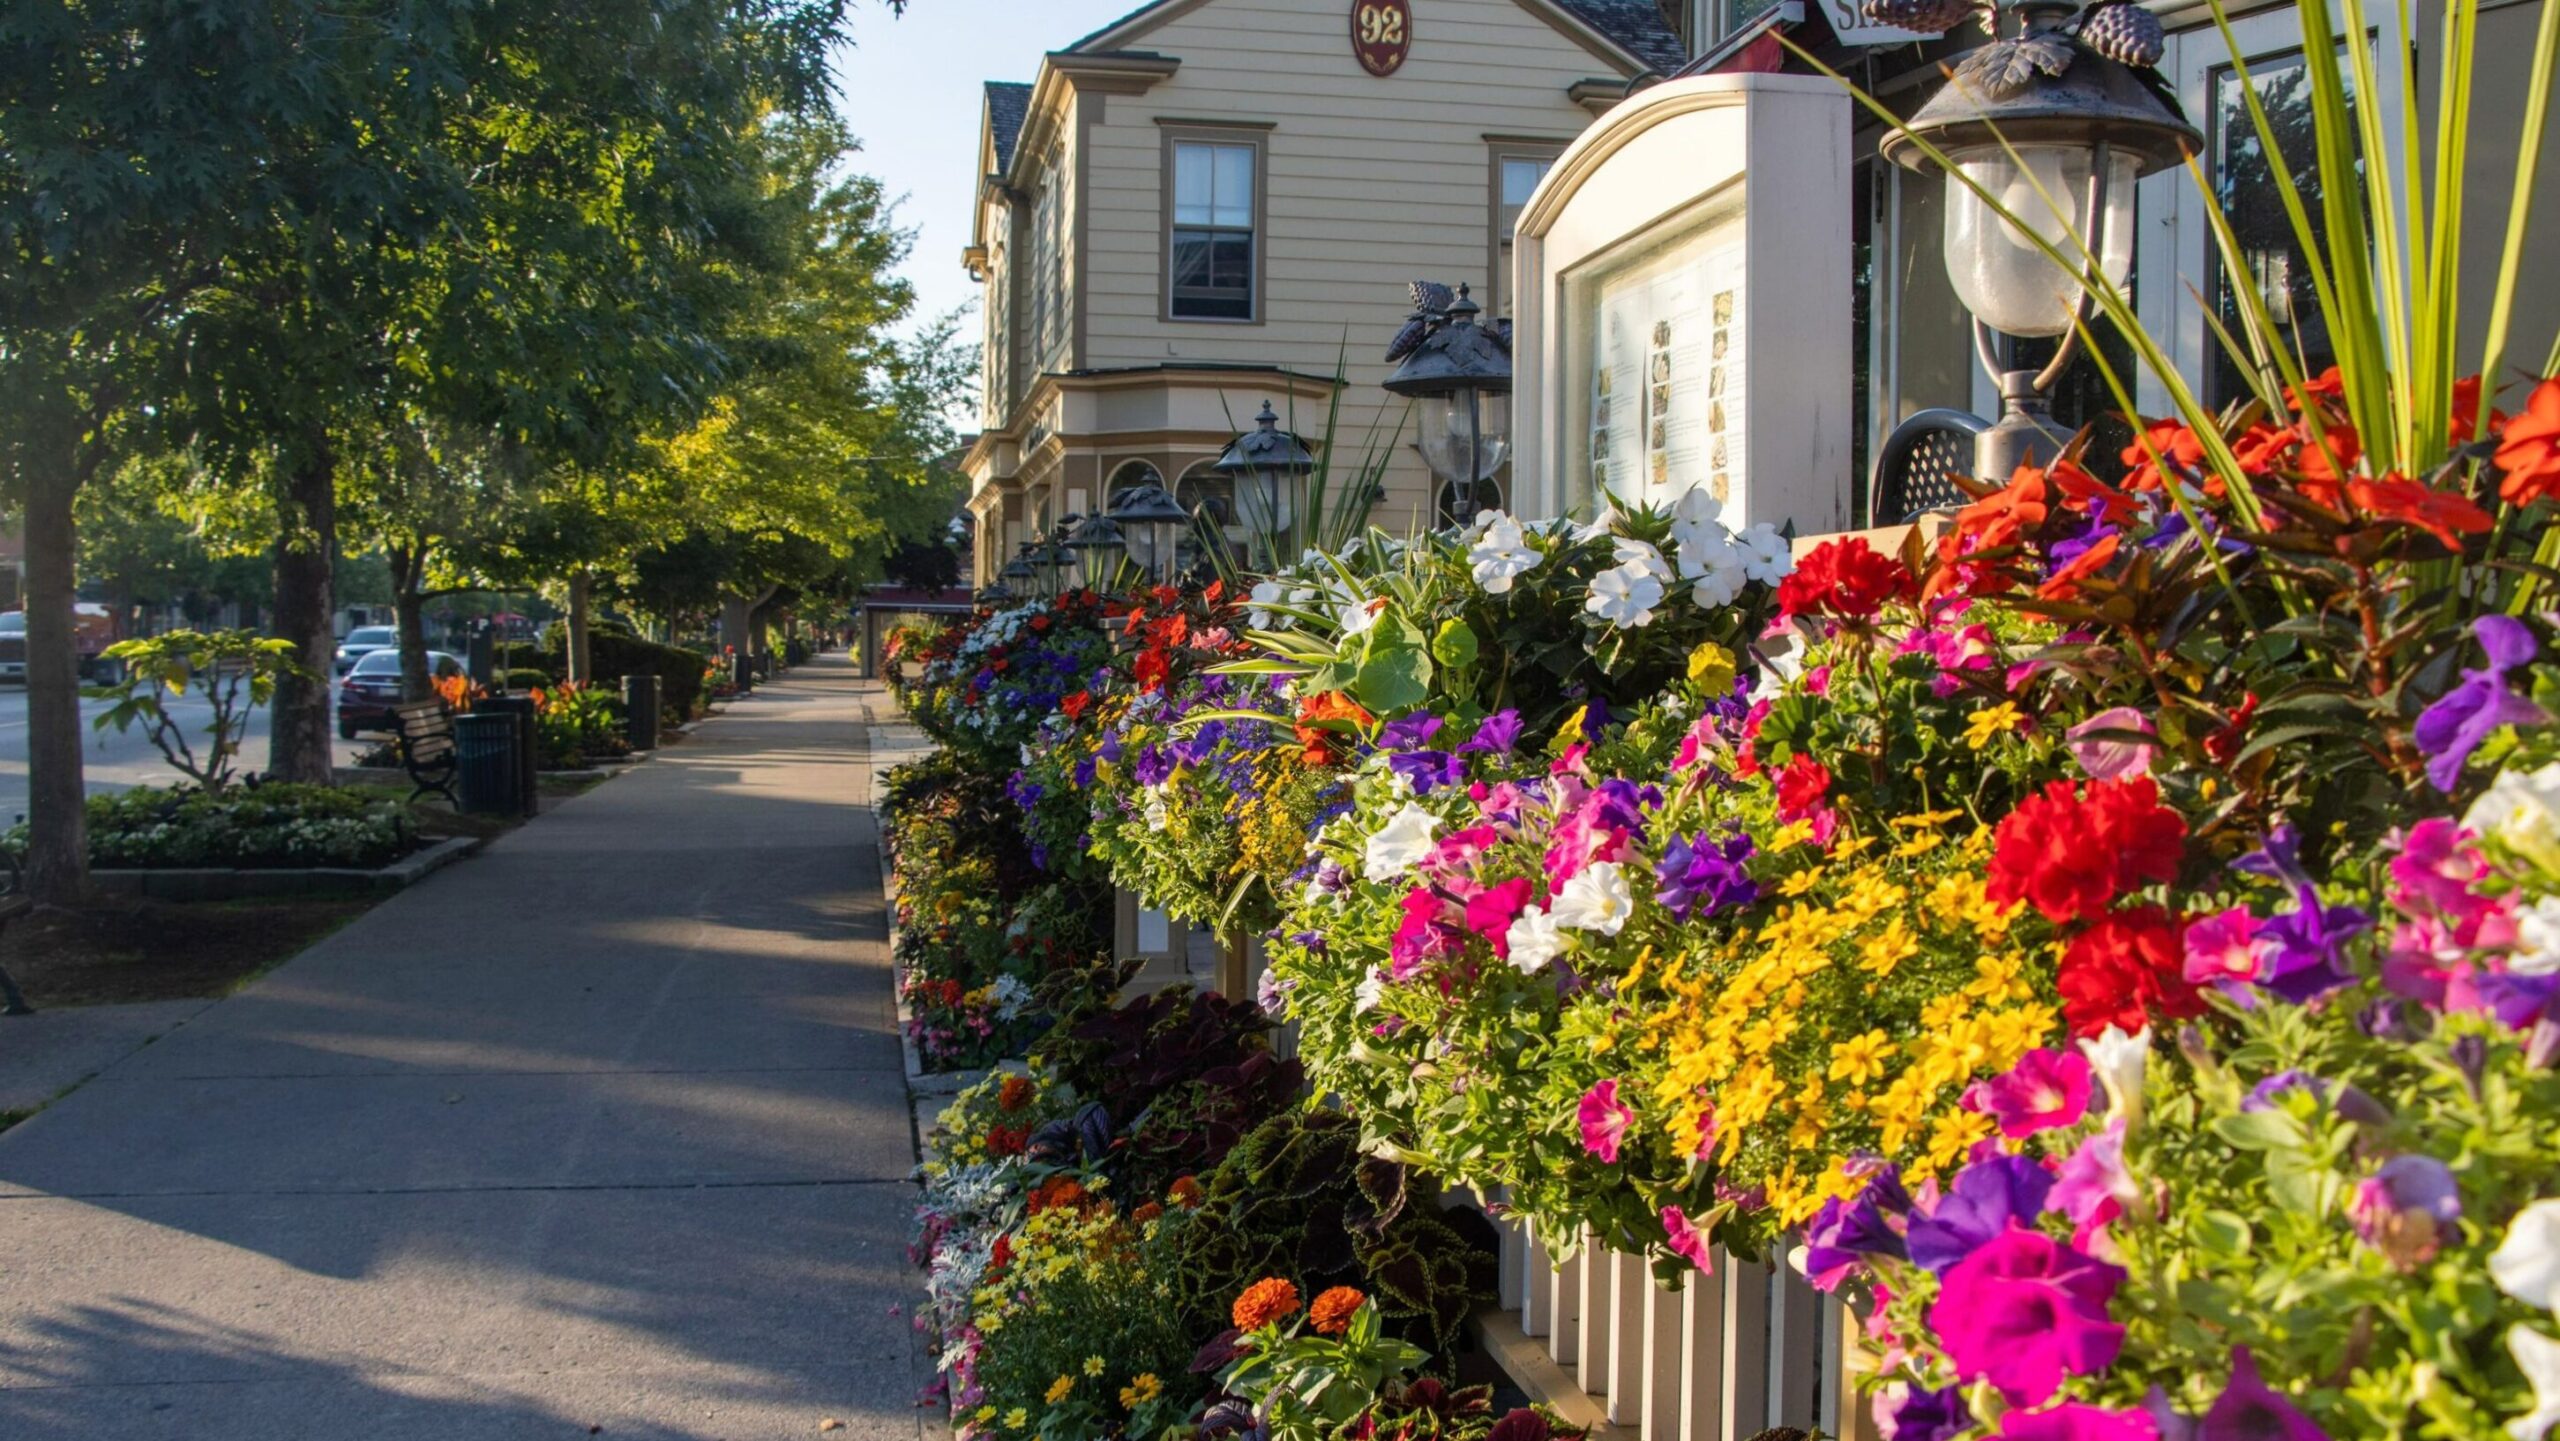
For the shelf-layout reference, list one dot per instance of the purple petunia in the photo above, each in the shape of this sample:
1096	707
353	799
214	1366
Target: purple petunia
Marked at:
1700	871
1986	1198
2479	703
1153	767
1932	1415
1427	771
1409	733
1496	736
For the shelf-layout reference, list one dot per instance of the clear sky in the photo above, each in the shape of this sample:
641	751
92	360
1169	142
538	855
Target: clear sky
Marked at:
910	89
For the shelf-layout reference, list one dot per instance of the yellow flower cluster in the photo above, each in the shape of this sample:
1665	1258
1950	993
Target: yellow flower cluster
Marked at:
1852	1020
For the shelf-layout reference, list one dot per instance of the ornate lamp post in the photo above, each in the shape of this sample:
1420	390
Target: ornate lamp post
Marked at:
1461	373
1152	522
1100	549
1053	560
1266	463
2057	125
1020	575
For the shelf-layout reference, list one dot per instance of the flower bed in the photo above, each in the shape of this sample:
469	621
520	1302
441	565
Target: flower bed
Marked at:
265	827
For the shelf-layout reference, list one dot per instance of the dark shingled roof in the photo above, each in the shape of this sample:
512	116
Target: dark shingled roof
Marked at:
1637	26
1007	105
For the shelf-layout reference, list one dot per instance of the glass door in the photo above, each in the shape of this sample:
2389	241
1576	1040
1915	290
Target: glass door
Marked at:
2241	173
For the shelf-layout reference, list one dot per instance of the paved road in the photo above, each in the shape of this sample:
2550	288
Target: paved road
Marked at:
604	1128
115	760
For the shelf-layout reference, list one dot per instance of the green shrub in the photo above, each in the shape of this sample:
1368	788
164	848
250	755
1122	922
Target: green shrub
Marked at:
528	678
265	827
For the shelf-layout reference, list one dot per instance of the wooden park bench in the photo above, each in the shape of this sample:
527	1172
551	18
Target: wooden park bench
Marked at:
427	750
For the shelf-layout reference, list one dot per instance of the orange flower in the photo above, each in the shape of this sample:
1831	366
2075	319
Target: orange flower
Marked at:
1185	1193
2064	584
1331	1314
1266	1301
2443	514
1056	1191
1145	1212
1014	1094
2529	448
2174	443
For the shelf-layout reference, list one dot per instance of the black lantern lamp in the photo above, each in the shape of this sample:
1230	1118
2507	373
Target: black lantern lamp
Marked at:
1020	574
1460	372
1054	562
1266	464
2056	123
1100	548
995	595
1152	523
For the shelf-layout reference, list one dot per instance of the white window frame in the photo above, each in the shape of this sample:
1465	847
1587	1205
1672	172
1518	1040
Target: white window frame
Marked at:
1250	140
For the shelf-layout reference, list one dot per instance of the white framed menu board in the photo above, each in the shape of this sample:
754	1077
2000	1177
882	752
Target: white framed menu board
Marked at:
1684	315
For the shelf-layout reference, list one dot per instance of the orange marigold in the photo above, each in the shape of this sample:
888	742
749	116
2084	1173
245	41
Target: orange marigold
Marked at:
1014	1094
1186	1192
1331	1314
1145	1212
1056	1191
1264	1302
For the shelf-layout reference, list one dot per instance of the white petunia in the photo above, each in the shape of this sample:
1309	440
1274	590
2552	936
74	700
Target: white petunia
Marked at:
1502	556
2537	939
2521	811
1625	596
2526	1265
1373	989
2120	1061
1596	899
1768	556
2538	1356
1640	555
1533	940
1158	816
1405	839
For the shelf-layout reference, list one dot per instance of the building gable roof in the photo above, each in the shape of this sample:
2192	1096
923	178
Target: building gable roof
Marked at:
1636	27
1008	103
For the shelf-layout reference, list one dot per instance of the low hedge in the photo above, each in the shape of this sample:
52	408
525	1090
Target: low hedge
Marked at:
528	678
267	827
679	671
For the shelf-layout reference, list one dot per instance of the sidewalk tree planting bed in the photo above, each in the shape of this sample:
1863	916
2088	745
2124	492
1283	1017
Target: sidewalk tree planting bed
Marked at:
241	828
111	952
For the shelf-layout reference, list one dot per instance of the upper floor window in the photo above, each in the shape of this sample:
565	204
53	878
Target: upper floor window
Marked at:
1212	249
1515	178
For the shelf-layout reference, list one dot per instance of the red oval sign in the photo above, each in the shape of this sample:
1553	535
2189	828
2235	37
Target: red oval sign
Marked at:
1382	34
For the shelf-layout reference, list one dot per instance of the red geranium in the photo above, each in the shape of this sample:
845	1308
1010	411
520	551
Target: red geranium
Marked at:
1848	579
1074	706
1802	783
1007	1140
2125	969
2529	448
1152	670
2071	855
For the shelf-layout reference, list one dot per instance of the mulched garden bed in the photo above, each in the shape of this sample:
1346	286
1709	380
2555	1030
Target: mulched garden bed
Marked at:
158	950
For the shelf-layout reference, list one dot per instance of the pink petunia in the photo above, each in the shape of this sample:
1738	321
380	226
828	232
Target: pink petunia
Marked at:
2112	757
2047	1089
2073	1421
1687	1241
2023	1311
1605	1120
1491	911
2094	1187
2223	949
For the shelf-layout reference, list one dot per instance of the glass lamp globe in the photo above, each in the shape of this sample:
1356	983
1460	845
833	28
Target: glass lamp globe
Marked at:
1998	272
1460	421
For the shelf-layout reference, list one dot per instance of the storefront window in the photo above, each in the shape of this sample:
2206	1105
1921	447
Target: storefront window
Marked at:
2244	180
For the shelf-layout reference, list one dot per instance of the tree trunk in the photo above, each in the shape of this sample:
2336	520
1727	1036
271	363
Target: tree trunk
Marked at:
299	741
735	615
57	821
581	659
409	614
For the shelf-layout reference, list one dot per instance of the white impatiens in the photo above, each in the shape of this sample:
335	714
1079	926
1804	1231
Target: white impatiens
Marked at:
1596	899
1718	563
1625	595
1533	940
1405	839
1502	555
2538	1356
1768	557
2527	1264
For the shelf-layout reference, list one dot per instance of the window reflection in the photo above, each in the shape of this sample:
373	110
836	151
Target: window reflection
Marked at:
2274	266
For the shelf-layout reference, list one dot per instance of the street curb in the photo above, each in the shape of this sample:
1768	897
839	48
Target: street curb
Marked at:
316	882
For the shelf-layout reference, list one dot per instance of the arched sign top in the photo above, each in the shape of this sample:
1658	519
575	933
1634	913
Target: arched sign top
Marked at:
1382	34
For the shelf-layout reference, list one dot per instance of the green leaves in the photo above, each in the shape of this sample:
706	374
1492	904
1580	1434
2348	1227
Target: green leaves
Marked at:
1395	666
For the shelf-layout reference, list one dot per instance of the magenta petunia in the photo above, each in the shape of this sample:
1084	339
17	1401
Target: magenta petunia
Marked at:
2024	1311
1605	1120
2094	1187
2073	1421
2046	1090
1491	911
1687	1241
2250	1410
2223	949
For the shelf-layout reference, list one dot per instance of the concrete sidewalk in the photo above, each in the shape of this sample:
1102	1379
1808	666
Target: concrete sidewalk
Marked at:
602	1132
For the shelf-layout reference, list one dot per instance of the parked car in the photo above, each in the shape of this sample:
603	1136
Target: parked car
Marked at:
363	641
372	688
93	629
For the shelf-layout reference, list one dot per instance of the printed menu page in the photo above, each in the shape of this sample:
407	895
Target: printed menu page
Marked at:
1664	413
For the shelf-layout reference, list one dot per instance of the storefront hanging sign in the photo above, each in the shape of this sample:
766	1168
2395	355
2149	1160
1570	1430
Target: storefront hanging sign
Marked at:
1382	34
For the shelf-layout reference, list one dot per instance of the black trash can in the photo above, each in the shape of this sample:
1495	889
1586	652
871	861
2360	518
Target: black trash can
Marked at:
742	671
521	710
485	776
640	711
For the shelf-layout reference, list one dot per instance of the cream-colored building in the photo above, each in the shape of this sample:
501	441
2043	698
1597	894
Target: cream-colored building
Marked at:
1213	203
